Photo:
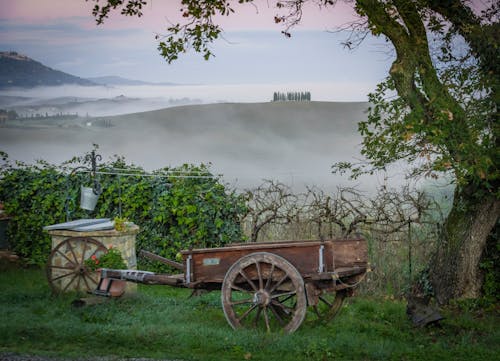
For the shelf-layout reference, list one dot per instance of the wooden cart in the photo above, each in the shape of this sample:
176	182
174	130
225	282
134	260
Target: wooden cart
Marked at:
263	285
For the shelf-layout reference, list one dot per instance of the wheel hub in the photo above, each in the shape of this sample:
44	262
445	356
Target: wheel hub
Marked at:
262	298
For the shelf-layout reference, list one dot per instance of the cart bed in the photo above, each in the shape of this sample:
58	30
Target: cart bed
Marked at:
313	259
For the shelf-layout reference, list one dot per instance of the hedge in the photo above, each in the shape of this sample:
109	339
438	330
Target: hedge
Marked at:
173	211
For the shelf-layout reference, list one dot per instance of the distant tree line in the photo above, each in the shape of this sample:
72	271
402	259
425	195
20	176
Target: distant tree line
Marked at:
292	97
8	114
49	116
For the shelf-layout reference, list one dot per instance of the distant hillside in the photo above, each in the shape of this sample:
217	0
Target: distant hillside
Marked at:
117	80
18	70
238	123
294	142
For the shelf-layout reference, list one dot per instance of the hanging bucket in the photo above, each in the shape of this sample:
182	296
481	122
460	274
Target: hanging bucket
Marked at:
88	199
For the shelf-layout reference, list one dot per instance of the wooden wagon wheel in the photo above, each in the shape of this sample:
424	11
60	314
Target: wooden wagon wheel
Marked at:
264	291
329	304
66	268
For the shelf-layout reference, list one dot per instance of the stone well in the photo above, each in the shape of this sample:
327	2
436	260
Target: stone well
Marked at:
124	241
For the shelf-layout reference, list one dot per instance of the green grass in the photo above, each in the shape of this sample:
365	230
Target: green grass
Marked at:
164	323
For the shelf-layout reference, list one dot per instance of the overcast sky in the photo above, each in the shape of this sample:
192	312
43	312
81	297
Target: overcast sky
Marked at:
62	34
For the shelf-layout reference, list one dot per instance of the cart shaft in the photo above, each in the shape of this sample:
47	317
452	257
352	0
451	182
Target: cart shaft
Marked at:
144	277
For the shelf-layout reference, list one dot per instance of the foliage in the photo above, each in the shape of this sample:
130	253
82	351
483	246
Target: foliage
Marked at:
443	117
9	114
112	259
291	96
438	112
198	32
176	208
34	196
400	225
121	223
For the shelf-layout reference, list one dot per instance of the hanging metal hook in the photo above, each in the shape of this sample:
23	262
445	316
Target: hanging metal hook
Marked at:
96	187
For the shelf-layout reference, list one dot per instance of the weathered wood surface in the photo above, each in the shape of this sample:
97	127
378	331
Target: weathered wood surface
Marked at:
163	260
211	264
208	267
350	253
279	300
148	278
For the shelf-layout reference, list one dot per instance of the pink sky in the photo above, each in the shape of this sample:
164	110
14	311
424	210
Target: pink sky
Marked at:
158	12
62	34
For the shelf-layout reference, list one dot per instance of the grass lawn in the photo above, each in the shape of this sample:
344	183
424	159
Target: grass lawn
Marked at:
163	323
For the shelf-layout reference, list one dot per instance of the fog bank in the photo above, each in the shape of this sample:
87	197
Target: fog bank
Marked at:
295	142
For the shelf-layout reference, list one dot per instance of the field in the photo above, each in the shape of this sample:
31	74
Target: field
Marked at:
160	322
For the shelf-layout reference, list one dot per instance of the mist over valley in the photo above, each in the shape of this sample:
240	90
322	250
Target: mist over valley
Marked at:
245	131
294	142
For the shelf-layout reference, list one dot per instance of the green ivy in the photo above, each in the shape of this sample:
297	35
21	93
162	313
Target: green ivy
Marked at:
173	213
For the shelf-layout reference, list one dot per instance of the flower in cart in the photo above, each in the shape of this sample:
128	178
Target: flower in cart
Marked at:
112	259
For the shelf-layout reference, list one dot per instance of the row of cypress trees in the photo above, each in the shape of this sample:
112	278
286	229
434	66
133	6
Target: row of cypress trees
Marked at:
292	96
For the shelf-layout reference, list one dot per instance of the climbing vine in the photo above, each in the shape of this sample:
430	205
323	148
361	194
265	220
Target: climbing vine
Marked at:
172	211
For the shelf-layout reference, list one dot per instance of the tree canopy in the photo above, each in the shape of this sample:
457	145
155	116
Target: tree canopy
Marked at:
445	74
446	77
437	109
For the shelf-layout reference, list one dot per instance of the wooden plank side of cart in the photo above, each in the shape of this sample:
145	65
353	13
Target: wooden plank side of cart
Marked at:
311	258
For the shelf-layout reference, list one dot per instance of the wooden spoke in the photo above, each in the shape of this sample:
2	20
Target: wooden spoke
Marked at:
94	280
328	305
257	316
237	288
64	256
286	299
61	267
73	255
259	274
247	312
64	275
282	306
266	318
86	283
277	315
84	249
242	302
291	293
78	282
249	281
268	309
279	283
97	250
270	277
325	301
70	282
70	255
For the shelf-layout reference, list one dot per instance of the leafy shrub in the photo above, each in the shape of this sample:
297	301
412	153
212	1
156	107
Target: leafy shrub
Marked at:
174	212
112	259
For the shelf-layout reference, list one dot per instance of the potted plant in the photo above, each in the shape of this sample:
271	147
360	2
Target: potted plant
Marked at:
121	224
112	260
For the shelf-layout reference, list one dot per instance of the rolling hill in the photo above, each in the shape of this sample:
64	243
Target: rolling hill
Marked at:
117	80
296	142
20	71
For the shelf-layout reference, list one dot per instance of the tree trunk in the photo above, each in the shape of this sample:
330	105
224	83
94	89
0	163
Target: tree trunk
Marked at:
454	270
